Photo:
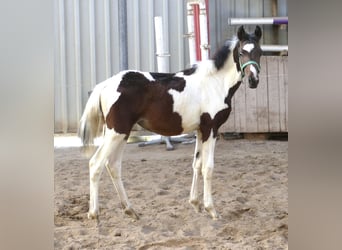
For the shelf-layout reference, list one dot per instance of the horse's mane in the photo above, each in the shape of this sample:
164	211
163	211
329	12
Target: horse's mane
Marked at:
223	53
206	67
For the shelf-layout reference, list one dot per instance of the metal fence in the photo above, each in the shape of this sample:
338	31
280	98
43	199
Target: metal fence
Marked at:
87	39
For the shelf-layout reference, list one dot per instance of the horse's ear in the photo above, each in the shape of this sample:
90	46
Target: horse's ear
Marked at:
241	33
258	32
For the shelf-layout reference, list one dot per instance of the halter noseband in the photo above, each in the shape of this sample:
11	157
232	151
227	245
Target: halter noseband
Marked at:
243	66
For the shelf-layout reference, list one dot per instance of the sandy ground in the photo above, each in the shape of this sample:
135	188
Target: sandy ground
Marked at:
250	191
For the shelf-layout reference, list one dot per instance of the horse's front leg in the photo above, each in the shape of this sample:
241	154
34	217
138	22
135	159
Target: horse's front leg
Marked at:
207	172
196	166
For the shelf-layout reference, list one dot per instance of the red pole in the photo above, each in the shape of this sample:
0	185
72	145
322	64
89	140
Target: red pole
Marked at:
197	32
207	10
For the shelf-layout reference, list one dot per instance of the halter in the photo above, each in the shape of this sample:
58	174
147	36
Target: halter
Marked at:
243	66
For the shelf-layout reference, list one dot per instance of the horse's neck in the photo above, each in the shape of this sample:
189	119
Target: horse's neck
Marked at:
228	75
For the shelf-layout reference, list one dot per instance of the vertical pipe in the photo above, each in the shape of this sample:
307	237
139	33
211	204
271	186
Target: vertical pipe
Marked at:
197	32
134	57
275	28
62	62
274	7
203	32
150	14
108	64
208	34
165	27
161	46
162	60
191	34
123	47
180	43
77	59
92	43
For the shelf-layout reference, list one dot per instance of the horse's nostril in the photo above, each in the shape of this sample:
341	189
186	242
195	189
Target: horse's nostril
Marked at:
253	83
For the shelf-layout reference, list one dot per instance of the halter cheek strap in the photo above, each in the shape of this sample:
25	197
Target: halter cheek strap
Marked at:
243	66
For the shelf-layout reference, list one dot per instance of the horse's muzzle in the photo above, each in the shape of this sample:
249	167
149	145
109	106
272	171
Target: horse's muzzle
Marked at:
252	82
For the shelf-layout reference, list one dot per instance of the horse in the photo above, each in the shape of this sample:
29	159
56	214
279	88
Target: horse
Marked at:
196	99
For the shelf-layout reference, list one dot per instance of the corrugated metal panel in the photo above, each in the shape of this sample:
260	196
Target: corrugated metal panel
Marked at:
87	51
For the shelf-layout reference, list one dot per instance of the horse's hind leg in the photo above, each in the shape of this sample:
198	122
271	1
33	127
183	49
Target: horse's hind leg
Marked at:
113	166
95	170
108	154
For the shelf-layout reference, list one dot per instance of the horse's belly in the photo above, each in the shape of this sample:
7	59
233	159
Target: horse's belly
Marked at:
171	124
166	128
190	121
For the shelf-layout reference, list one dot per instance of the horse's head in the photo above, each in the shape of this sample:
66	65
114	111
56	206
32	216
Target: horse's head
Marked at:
248	53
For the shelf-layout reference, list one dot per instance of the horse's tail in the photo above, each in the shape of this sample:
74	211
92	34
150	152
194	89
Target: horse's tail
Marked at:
92	121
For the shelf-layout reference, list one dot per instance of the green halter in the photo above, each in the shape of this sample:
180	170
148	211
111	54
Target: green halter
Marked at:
243	66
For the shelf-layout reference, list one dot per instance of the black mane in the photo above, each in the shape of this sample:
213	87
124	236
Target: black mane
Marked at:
222	54
189	71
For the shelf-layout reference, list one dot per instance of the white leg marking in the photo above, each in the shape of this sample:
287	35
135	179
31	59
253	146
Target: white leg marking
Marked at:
196	166
113	166
95	171
207	172
108	154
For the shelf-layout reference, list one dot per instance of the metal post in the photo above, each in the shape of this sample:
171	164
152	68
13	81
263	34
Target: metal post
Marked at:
161	48
191	34
162	60
275	28
62	62
204	31
197	31
123	47
92	42
163	66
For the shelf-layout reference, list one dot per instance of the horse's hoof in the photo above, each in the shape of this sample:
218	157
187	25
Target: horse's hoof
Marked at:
212	212
92	215
130	212
196	205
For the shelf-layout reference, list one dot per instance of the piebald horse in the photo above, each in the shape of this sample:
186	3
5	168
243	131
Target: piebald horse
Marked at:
196	99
